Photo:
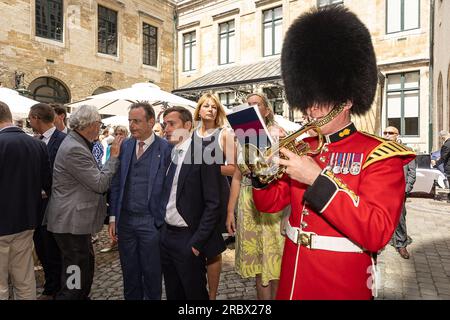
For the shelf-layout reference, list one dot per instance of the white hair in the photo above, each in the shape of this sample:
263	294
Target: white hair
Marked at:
83	116
443	133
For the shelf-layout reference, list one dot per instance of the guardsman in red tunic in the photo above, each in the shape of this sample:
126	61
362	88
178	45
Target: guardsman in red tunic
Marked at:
346	200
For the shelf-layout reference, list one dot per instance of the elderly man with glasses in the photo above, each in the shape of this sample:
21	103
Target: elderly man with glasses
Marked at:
77	205
400	238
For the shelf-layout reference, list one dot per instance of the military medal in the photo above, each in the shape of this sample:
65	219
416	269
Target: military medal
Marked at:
337	167
330	164
355	167
346	166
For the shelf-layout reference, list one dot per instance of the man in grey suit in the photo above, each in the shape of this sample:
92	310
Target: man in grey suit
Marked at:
77	206
400	238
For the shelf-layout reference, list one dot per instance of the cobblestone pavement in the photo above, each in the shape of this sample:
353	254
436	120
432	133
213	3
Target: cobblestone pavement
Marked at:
426	275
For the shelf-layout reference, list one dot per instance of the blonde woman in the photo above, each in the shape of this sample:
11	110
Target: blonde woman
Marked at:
220	148
259	243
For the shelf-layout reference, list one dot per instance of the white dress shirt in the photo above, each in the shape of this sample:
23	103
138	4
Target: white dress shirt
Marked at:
147	143
173	217
48	134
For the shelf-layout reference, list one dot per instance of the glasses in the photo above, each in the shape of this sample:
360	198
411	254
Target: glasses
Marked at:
389	133
254	104
100	123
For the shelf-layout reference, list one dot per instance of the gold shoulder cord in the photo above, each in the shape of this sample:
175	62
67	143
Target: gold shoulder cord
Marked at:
386	149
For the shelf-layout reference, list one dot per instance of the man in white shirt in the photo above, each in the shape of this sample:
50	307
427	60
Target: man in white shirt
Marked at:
41	117
191	198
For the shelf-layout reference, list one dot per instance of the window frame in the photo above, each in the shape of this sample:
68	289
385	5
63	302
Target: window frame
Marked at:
192	44
48	11
402	91
230	98
144	35
62	93
272	22
402	17
228	34
116	54
329	3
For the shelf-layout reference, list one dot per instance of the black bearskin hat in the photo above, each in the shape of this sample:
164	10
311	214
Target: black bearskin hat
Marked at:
328	58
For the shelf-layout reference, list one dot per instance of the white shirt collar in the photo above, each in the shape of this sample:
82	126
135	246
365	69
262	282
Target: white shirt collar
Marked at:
47	134
184	145
11	126
148	141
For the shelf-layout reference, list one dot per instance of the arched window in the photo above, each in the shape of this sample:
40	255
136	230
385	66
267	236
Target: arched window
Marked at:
440	104
104	89
48	90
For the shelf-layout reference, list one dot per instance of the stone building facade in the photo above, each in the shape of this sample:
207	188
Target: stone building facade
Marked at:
400	32
53	48
231	47
441	70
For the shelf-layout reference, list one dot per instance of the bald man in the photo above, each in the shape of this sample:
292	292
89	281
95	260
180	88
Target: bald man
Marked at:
400	237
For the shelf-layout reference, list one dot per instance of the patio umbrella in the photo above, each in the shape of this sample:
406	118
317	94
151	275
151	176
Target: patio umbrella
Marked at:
19	105
117	102
116	120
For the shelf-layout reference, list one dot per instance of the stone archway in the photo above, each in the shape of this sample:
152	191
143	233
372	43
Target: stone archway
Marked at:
102	89
49	90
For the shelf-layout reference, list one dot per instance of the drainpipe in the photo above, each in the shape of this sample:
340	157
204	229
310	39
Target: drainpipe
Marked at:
175	47
431	79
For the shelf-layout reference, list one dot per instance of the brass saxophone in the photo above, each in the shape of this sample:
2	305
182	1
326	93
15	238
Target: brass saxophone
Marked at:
258	162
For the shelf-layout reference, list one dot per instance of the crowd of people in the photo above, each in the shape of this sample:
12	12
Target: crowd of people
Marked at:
130	183
312	234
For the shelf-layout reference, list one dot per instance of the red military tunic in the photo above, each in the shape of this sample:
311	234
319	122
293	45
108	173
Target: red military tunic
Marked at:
359	196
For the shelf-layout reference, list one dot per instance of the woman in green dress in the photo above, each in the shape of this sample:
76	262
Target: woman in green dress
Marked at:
259	243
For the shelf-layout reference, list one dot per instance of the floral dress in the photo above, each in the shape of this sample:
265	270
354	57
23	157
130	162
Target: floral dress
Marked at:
259	244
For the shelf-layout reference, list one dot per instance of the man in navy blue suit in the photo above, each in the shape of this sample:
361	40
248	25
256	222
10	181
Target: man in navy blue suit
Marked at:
41	117
136	209
24	173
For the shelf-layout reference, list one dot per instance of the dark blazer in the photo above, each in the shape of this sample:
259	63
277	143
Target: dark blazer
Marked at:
53	145
445	157
52	148
198	200
24	172
158	166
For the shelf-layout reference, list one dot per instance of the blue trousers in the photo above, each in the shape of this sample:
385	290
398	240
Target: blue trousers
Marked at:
139	250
